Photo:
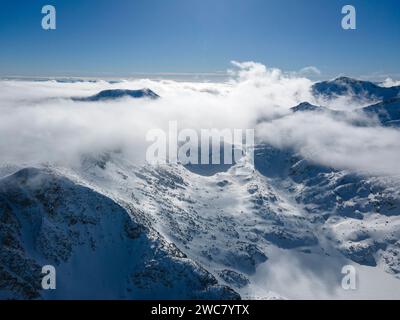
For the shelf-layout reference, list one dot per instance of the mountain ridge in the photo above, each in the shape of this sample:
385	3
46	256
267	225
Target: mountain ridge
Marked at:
359	89
113	94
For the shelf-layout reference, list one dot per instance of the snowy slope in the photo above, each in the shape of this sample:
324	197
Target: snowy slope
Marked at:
100	249
117	230
299	220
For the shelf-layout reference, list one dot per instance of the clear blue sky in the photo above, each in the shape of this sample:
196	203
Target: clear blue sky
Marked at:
121	37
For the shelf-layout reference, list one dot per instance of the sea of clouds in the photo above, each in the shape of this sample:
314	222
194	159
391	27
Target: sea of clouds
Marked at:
39	122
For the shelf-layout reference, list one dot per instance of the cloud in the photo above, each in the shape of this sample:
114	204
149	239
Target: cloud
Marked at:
389	82
336	143
39	124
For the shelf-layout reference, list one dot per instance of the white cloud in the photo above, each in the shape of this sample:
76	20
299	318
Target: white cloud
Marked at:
389	82
39	124
336	143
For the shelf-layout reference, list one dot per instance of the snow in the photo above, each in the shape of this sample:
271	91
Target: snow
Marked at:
100	249
251	226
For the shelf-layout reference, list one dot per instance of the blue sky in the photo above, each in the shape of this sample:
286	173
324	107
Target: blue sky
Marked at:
124	37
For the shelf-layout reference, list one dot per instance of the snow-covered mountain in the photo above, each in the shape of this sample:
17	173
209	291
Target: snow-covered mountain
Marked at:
387	112
308	107
281	226
116	230
101	248
113	94
344	86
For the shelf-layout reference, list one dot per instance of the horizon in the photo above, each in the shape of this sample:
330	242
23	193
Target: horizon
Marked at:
185	77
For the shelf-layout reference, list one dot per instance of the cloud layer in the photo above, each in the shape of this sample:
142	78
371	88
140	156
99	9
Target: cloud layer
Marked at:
39	124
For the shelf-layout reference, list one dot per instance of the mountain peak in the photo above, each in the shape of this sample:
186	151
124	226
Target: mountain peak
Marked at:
306	106
348	81
359	89
113	94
